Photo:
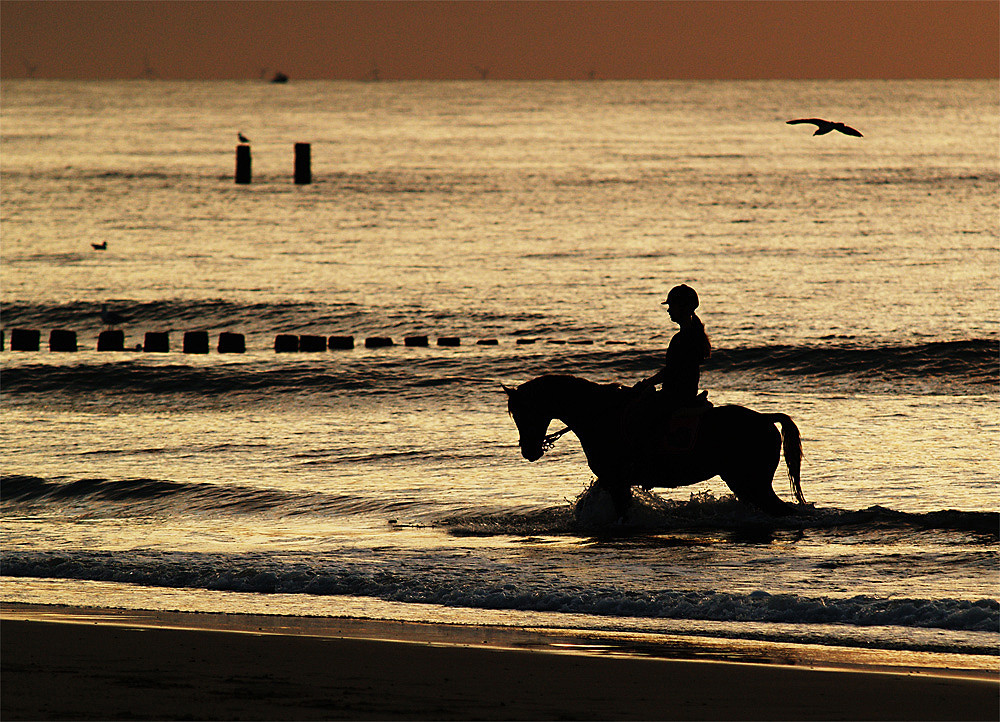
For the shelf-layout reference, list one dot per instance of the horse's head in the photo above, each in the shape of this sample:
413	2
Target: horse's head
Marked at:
531	423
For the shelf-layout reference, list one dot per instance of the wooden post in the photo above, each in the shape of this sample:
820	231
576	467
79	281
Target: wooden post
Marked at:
340	343
286	343
62	340
111	341
195	342
308	342
243	164
25	339
303	170
156	342
232	342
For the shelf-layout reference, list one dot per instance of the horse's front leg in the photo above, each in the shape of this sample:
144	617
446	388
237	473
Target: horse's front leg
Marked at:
620	493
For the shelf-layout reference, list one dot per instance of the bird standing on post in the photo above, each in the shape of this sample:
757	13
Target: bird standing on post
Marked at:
111	318
825	126
243	138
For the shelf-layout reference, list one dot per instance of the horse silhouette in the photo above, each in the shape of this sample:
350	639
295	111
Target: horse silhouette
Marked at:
625	436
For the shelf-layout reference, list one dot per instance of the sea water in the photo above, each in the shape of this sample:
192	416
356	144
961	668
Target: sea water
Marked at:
850	283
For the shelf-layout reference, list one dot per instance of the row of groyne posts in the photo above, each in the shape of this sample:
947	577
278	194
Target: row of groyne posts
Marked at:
28	339
63	340
302	174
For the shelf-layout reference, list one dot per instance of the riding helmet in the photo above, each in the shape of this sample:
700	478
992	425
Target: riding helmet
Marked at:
682	296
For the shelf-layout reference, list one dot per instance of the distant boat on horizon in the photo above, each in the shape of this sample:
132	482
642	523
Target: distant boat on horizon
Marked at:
148	71
29	68
279	77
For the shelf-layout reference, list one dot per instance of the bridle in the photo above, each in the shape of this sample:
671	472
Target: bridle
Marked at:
549	440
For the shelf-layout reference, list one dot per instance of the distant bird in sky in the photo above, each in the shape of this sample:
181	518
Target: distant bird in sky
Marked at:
825	126
111	318
243	138
99	246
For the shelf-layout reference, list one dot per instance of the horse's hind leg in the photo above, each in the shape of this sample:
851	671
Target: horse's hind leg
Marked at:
752	482
755	490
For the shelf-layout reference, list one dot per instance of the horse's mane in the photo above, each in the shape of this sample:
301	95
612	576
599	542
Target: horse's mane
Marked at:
567	384
567	381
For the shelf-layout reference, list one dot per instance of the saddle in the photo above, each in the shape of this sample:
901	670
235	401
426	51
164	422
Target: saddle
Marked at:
682	429
666	428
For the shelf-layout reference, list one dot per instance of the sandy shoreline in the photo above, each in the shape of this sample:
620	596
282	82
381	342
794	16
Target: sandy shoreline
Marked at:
74	663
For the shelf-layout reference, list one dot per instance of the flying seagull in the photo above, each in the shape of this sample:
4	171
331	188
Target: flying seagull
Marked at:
825	126
111	318
243	138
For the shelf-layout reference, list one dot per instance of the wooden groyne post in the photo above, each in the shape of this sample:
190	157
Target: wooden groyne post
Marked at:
62	340
303	164
232	342
111	341
156	342
25	339
195	342
340	343
243	164
312	343
286	343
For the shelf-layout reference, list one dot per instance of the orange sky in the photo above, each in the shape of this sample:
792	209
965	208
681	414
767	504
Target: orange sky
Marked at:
510	39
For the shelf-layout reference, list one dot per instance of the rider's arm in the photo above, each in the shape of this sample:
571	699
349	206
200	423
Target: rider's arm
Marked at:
680	353
656	378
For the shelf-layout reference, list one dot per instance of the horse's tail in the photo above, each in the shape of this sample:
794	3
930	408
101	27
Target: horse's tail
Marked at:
792	445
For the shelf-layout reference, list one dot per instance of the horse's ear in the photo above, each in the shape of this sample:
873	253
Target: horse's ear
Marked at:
508	389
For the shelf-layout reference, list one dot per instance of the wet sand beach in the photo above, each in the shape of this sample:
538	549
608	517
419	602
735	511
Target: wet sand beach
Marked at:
68	663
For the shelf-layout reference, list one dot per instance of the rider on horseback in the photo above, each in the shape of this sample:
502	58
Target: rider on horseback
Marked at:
670	438
688	348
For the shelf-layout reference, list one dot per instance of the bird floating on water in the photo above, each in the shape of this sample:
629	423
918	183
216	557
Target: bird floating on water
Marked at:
825	126
243	138
111	318
99	246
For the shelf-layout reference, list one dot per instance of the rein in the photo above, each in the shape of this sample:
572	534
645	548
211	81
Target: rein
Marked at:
549	440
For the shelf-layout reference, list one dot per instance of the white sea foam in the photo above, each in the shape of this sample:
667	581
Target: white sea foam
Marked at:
300	575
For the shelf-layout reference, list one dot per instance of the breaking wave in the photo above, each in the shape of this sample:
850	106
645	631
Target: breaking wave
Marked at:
144	497
594	513
591	514
302	574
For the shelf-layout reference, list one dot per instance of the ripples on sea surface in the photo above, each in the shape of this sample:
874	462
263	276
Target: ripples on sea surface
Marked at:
850	283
